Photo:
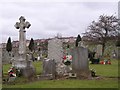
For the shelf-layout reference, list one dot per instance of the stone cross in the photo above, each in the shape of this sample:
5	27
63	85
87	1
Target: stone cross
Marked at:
21	62
22	37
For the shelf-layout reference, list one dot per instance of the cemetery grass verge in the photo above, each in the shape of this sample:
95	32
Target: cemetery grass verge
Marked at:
109	74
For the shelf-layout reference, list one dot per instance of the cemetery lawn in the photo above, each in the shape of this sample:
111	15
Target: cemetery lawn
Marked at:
108	78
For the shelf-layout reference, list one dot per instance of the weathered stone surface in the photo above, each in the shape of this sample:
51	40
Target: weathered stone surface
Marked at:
5	57
80	62
23	62
55	50
28	72
62	69
49	67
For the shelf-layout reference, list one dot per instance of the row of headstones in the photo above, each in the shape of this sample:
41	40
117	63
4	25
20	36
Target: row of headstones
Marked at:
54	65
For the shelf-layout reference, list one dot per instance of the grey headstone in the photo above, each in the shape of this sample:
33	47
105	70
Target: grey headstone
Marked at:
80	64
99	50
55	50
5	57
49	67
28	72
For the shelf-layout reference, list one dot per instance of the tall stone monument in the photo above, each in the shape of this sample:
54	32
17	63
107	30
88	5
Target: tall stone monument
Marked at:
23	61
55	50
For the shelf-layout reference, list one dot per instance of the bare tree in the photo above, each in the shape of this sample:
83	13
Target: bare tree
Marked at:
105	29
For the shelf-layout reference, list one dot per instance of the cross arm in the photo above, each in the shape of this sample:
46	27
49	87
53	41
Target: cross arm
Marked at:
28	24
17	25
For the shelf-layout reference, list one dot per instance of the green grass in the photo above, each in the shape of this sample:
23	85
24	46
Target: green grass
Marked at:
6	67
104	71
67	84
38	67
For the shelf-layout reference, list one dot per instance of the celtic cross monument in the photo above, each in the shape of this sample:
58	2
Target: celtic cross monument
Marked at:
22	34
23	62
22	42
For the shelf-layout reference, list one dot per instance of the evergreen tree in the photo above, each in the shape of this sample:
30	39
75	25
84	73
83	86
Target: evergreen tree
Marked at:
9	45
78	40
31	45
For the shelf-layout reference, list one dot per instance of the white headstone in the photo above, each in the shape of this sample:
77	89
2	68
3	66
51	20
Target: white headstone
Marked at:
55	50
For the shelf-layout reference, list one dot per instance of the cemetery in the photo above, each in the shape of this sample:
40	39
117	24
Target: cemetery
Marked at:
63	67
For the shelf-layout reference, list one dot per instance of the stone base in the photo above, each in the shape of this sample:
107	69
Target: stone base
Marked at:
26	68
28	72
49	67
83	74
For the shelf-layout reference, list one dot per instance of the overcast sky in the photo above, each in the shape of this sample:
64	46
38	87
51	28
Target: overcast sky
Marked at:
49	18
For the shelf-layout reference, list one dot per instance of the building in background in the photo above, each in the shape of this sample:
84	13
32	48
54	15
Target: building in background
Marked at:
41	46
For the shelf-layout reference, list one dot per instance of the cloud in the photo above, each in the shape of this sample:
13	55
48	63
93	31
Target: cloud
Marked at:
48	19
59	0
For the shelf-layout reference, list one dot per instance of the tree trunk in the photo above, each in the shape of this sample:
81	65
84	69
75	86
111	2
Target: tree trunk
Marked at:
103	48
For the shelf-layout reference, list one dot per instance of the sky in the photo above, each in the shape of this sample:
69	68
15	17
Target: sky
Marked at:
48	18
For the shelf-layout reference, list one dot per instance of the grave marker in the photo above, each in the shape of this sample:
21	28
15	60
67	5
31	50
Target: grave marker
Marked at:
55	50
80	64
23	62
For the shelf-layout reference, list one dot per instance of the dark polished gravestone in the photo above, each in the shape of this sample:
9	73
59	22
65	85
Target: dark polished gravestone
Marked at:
80	65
